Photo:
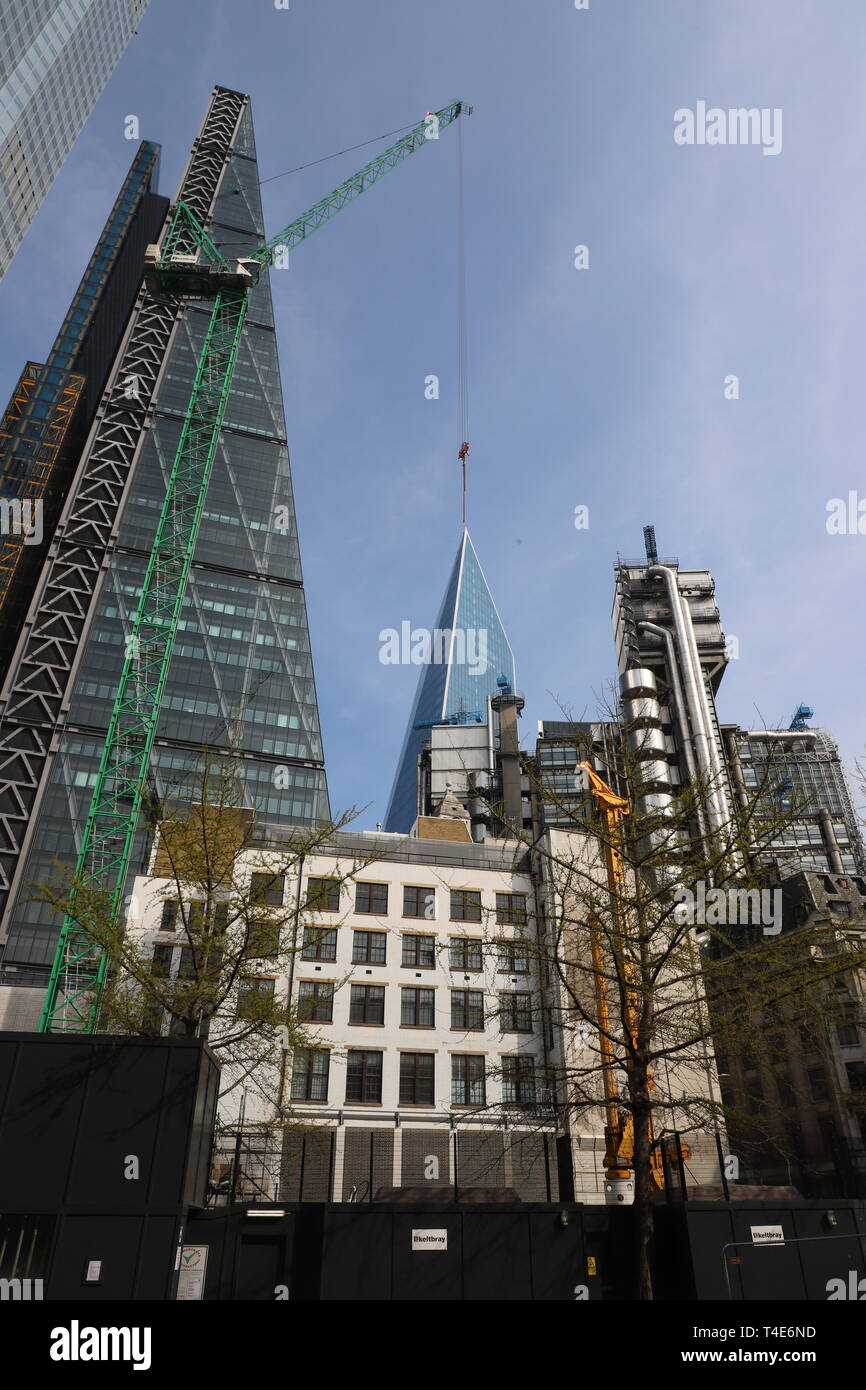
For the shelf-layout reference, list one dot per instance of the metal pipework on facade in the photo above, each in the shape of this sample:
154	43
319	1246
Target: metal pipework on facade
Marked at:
650	771
679	709
692	675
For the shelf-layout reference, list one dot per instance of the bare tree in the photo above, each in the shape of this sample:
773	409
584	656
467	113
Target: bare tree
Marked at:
659	944
221	898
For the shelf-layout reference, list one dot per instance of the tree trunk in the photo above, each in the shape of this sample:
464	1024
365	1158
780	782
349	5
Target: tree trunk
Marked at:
643	1207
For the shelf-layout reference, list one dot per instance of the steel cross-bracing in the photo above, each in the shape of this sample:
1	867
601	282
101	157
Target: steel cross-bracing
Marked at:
37	690
79	969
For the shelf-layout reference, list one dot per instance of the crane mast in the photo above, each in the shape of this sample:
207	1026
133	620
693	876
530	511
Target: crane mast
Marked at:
619	1129
189	265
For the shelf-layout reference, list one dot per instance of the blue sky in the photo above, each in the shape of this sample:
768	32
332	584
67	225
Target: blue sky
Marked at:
601	387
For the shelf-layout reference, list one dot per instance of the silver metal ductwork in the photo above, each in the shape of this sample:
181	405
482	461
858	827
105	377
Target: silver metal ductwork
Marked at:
663	635
650	772
709	765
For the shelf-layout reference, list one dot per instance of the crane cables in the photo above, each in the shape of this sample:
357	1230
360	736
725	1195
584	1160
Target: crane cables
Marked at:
462	339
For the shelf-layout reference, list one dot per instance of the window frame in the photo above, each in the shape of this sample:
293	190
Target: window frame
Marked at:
368	959
320	993
417	889
320	901
513	948
417	1079
369	992
466	1081
368	885
523	1068
468	1010
365	1053
310	1075
162	960
507	916
462	894
466	944
508	1021
257	980
169	916
416	938
266	894
320	932
417	1005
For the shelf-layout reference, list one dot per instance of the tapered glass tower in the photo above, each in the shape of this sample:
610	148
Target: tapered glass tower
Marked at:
241	677
466	659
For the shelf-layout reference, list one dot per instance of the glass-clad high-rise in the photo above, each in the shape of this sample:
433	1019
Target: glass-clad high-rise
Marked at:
53	404
801	775
241	675
468	660
55	58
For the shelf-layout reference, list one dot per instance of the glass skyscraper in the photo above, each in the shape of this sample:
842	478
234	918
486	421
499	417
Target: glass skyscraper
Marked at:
800	773
241	676
55	58
470	660
48	418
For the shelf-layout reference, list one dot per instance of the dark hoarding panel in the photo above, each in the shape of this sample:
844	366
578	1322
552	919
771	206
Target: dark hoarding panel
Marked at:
104	1123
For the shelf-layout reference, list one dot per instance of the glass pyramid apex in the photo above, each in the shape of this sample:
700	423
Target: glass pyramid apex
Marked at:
467	656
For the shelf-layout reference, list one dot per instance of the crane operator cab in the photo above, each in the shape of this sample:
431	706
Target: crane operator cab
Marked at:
183	274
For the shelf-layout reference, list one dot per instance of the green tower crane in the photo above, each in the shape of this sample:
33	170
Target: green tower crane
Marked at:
187	265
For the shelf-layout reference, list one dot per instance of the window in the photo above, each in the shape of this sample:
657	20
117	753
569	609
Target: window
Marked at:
267	889
323	894
367	1004
818	1083
263	940
186	969
369	947
856	1074
192	916
467	1080
168	921
518	1080
840	909
513	957
465	905
310	1069
320	943
221	917
467	1009
419	951
161	968
316	1001
417	1008
371	897
465	953
254	993
847	1034
515	1013
510	909
416	1078
419	902
364	1077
